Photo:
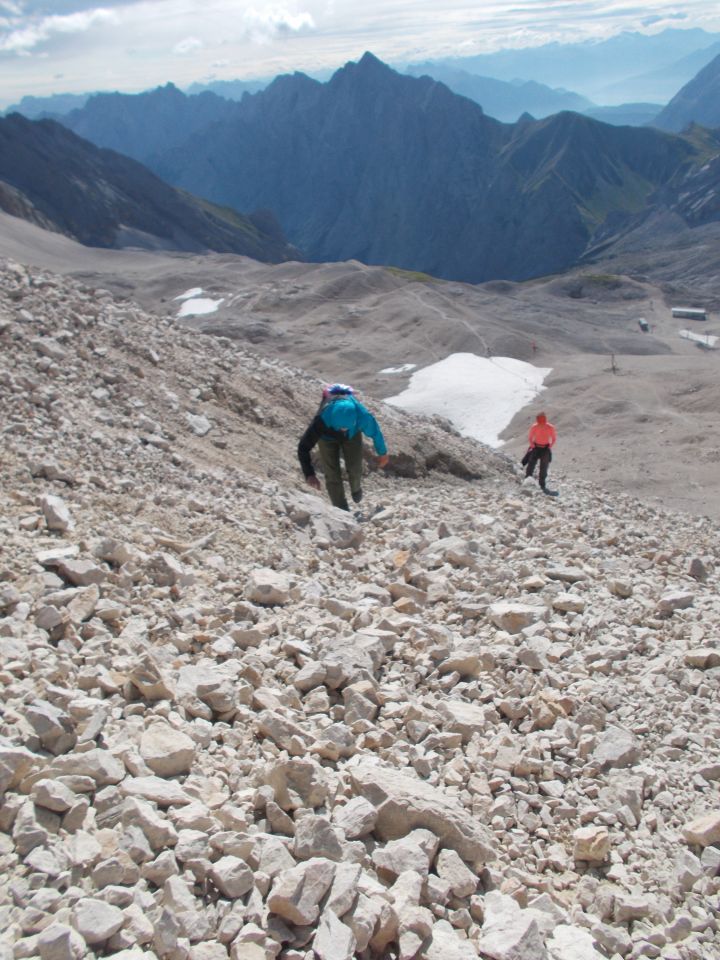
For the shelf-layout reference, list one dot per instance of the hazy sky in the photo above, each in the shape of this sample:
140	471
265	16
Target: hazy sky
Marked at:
59	46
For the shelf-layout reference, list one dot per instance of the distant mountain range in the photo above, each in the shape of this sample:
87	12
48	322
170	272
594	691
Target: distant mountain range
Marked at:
146	125
229	89
628	67
53	178
697	102
500	99
373	166
35	108
393	169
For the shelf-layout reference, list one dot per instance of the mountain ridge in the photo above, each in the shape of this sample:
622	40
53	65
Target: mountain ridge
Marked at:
697	102
103	198
392	169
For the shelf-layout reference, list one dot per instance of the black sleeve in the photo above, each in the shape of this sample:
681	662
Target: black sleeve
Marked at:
307	442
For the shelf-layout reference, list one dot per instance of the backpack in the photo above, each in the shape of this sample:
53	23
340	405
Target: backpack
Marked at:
334	391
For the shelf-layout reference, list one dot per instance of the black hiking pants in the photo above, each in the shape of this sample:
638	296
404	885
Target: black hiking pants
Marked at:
543	455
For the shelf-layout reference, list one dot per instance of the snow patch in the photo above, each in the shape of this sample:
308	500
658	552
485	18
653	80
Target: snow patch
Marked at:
405	368
195	307
478	395
189	294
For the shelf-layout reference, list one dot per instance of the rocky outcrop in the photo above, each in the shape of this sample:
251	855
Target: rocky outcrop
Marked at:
235	726
52	177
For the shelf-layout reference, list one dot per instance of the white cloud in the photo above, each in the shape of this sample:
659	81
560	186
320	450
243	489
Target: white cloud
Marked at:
132	45
188	45
265	24
23	39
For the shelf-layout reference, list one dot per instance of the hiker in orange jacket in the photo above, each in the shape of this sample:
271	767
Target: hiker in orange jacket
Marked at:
542	437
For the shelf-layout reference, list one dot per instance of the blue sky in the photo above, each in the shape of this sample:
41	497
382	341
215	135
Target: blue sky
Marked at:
59	46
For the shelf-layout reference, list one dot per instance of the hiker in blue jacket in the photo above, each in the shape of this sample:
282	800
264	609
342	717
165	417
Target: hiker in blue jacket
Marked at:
337	428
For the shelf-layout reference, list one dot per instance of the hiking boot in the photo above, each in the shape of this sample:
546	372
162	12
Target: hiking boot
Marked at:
357	495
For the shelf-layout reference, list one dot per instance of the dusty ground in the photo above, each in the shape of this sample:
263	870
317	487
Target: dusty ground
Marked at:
647	428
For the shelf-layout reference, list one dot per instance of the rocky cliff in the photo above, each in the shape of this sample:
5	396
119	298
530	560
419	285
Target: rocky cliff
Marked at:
236	722
62	182
143	124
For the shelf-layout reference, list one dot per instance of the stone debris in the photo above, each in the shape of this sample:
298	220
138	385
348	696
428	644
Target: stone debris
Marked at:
238	723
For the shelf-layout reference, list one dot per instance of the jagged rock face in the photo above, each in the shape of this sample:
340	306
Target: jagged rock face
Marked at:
53	178
400	744
697	102
166	119
500	99
391	169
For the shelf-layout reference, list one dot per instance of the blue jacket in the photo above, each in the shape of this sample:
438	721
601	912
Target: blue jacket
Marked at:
340	419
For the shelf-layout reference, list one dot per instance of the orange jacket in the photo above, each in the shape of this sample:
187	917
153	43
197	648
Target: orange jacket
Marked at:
542	434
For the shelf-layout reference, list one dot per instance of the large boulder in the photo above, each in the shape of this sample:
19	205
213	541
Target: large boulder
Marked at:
405	802
328	526
167	751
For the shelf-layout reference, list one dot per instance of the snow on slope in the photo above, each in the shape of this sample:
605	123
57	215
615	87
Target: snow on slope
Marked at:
478	395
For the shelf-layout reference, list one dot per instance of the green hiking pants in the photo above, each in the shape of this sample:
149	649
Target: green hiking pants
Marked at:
352	452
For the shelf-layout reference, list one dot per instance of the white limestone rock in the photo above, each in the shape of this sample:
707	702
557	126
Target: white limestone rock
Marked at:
703	831
328	526
356	818
53	795
413	853
296	893
591	844
56	513
566	574
232	877
617	748
514	617
316	837
150	679
344	890
97	764
674	600
159	831
297	783
508	931
165	793
404	803
463	882
268	588
59	941
167	751
96	921
568	603
620	588
333	939
185	909
165	570
703	658
82	573
463	718
198	423
572	943
445	944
